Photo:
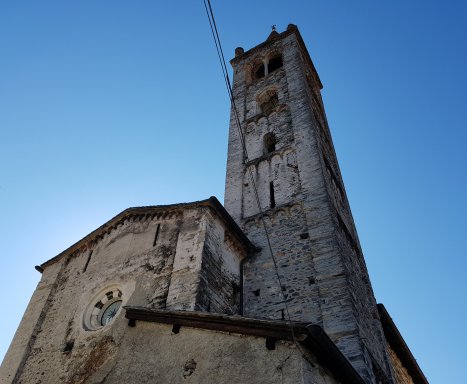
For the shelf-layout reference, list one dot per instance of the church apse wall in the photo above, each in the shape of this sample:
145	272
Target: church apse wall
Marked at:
175	259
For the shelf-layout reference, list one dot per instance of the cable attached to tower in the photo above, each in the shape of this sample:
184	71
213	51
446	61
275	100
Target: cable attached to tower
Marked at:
220	54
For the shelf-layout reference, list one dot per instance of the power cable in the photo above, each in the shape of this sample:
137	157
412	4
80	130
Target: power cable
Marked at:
220	54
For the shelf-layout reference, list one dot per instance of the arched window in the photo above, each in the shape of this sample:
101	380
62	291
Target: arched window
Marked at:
259	72
269	141
268	101
274	63
262	69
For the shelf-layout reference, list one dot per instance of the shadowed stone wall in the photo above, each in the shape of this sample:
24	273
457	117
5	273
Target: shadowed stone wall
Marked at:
400	372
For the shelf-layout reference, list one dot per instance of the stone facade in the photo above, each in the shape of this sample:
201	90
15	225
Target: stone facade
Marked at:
200	356
303	204
156	353
173	257
173	266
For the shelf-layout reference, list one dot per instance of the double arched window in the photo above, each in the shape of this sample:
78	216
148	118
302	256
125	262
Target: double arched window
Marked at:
263	69
274	63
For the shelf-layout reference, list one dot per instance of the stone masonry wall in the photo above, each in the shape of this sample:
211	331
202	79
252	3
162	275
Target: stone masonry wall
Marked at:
149	261
125	258
198	356
30	325
219	286
263	294
363	300
301	193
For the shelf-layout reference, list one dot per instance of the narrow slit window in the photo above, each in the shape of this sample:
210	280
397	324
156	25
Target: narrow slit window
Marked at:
272	200
156	235
87	261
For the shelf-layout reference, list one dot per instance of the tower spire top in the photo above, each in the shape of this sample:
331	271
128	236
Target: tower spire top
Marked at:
273	33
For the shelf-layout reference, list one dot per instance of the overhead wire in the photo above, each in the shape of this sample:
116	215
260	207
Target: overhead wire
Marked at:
225	72
220	54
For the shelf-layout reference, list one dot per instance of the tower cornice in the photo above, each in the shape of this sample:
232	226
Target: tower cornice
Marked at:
292	29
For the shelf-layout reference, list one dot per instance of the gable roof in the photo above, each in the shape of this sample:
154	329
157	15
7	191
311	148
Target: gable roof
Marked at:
211	203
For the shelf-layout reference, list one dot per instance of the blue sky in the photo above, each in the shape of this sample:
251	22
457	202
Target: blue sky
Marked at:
111	104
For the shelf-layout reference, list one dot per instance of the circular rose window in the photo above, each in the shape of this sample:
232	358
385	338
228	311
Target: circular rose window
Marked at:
110	312
103	309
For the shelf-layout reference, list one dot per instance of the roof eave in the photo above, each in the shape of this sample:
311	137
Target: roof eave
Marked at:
309	335
212	203
398	344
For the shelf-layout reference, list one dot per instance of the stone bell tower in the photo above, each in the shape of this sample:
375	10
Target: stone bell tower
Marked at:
291	162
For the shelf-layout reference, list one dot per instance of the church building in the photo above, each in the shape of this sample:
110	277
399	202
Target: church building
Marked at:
270	287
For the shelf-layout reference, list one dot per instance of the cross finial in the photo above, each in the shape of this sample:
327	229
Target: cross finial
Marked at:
273	27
